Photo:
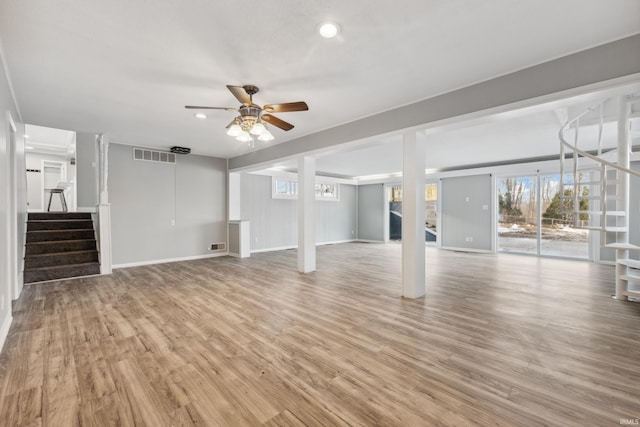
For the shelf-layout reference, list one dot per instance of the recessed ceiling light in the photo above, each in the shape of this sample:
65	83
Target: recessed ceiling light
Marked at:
26	136
328	30
200	115
28	147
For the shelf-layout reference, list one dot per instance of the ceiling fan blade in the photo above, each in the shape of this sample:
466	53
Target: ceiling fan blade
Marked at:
241	94
273	120
286	107
196	107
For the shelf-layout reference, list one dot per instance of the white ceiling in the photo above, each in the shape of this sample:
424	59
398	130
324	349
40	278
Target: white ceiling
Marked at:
128	68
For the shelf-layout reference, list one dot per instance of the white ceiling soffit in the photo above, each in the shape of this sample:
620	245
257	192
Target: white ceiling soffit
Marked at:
44	140
128	68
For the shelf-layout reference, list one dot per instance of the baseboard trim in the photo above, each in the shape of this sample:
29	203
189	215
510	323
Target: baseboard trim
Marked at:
285	248
279	248
164	261
369	241
6	324
479	251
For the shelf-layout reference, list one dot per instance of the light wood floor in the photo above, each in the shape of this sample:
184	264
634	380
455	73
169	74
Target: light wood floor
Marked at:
499	340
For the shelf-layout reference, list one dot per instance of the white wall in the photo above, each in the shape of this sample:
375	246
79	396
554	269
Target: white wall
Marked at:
12	212
273	222
163	211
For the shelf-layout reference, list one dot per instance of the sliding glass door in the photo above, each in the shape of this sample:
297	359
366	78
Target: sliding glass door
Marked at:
562	234
534	219
518	214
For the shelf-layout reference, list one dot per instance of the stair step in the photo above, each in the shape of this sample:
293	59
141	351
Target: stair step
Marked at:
61	272
590	197
64	224
584	183
630	278
58	215
631	293
625	246
60	258
633	263
58	235
36	248
609	213
616	229
610	229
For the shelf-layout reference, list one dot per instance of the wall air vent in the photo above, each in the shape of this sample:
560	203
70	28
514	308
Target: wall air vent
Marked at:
217	246
153	156
180	150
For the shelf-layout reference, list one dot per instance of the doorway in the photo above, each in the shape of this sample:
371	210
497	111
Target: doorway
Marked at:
51	163
394	206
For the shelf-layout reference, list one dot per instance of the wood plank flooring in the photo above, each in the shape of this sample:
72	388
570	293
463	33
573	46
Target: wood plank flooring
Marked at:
499	340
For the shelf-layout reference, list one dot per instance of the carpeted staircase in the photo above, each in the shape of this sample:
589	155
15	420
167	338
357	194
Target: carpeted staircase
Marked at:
60	245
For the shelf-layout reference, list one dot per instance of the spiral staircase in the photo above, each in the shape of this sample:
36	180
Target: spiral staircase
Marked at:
608	174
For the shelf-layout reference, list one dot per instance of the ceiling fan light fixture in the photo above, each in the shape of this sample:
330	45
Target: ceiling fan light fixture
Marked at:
234	130
200	116
257	129
329	30
265	136
244	136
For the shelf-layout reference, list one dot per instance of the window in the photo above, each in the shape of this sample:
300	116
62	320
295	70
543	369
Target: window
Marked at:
283	189
327	192
288	189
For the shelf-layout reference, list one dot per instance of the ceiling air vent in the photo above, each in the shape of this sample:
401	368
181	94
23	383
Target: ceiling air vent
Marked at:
153	156
180	150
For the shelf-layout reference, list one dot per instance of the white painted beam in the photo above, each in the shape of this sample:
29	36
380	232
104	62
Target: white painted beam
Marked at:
600	67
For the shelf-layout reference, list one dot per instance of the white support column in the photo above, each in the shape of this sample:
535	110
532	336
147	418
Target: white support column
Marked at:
413	265
306	215
622	203
103	209
235	181
103	145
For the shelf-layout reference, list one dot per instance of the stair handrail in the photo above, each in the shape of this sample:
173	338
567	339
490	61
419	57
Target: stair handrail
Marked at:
565	143
577	151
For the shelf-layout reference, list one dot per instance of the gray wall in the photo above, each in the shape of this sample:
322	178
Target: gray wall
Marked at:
86	170
463	215
146	196
274	222
371	212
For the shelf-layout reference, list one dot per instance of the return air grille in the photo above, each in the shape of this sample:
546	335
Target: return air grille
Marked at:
153	156
216	246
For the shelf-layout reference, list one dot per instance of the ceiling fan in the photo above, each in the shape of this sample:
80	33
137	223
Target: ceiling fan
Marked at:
252	117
